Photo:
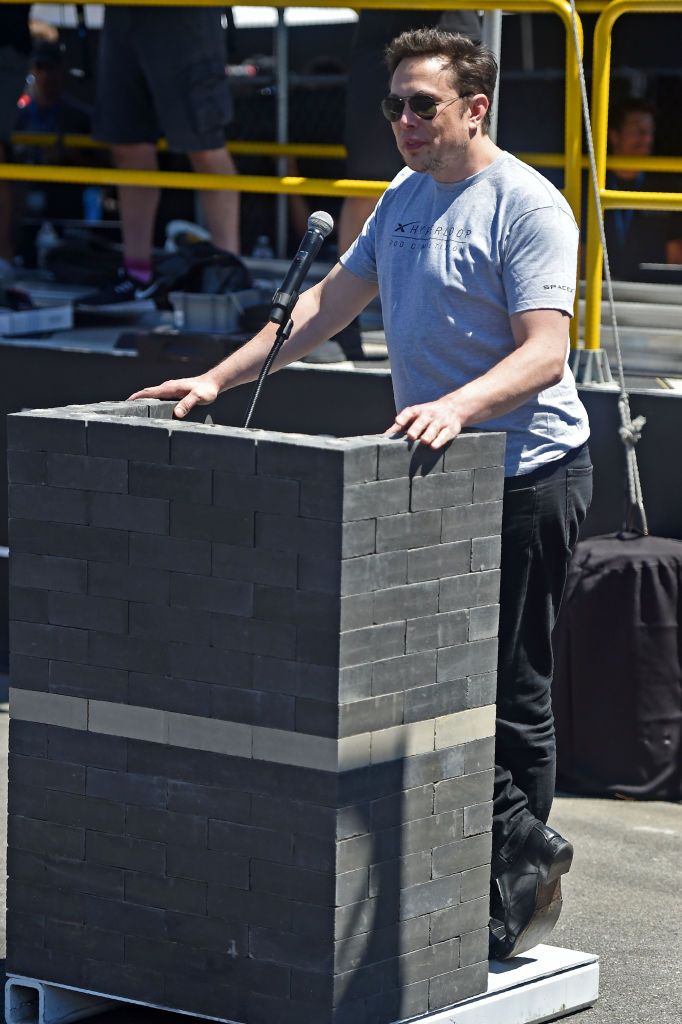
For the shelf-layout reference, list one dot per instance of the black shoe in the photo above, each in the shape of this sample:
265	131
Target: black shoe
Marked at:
346	346
126	295
526	898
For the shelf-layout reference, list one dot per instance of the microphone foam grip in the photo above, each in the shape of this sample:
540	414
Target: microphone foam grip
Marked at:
321	221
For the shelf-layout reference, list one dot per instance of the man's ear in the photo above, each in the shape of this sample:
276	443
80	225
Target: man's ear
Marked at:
478	108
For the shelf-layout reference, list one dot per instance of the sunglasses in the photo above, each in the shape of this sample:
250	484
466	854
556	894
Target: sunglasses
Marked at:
421	104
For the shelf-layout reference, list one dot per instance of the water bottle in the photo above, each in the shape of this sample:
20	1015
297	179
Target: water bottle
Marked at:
93	201
46	239
262	250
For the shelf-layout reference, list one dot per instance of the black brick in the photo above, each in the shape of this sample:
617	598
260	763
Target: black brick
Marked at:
31	432
130	583
142	440
374	572
185	696
211	594
27	467
404	673
27	738
208	448
439	560
41	641
128	512
208	866
441	490
124	852
51	573
166	826
29	673
225	804
183	625
410	530
127	787
175	553
87	473
27	604
208	522
248	841
277	639
465	521
47	504
252	565
84	812
106	614
425	702
63	540
209	665
255	493
469	591
136	653
86	681
165	893
87	748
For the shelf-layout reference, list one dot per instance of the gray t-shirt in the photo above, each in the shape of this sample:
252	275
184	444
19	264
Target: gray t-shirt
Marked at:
452	263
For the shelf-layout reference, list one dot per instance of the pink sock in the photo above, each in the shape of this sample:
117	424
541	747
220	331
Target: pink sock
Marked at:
139	270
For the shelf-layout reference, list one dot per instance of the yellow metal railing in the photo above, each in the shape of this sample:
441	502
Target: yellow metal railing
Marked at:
571	162
611	198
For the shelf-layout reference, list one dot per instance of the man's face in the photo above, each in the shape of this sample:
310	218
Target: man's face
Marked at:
432	147
635	137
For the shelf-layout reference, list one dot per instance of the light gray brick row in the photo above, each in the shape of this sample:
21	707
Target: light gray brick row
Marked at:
482	519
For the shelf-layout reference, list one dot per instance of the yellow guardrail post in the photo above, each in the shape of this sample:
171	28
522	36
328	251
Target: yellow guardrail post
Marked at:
601	71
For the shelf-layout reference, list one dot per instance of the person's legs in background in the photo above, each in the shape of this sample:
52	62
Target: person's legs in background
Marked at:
137	206
221	207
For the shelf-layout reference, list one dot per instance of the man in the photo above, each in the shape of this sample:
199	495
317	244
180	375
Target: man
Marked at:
634	237
474	255
162	71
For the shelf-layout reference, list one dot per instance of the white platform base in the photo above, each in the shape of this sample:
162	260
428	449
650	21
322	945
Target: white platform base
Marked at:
542	985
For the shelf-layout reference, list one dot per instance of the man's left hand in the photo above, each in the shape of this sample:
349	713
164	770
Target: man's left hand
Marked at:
431	423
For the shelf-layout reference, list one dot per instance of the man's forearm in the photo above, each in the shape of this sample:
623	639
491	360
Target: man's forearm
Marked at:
523	373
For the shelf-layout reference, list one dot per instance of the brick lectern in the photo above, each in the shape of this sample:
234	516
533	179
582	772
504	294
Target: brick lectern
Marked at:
252	715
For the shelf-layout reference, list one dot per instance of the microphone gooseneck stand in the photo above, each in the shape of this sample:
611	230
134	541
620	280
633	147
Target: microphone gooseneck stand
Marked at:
286	297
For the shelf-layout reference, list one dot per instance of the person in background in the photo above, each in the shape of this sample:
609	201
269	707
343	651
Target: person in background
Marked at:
634	237
161	71
474	255
15	47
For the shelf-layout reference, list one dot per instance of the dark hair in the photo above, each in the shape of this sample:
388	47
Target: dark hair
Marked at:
472	66
629	105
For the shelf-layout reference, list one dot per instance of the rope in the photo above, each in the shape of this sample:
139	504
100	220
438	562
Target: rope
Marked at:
630	430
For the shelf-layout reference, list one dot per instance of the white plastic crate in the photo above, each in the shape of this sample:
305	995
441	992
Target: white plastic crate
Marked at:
35	321
211	313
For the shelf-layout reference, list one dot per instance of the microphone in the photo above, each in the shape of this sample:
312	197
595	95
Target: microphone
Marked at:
286	297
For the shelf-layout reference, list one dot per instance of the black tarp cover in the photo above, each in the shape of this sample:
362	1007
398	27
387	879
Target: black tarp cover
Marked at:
617	689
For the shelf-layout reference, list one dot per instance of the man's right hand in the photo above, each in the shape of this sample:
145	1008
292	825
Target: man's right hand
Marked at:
191	390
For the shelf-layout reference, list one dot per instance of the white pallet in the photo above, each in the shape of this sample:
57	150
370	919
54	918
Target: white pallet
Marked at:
542	985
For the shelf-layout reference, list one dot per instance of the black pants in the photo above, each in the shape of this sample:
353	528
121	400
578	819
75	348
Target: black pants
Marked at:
542	513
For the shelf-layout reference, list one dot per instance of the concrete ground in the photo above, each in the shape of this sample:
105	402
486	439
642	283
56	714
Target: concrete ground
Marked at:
622	901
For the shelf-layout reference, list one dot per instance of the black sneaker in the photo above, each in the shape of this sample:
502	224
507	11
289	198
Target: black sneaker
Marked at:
126	295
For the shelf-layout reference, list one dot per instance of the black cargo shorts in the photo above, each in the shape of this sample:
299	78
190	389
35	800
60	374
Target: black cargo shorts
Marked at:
161	72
